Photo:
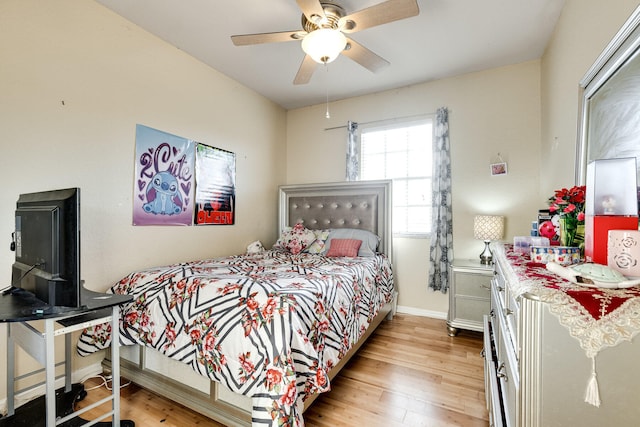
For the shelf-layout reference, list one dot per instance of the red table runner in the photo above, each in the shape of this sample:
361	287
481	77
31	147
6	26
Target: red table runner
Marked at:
596	317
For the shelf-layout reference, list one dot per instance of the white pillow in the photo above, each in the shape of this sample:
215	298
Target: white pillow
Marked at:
318	245
295	239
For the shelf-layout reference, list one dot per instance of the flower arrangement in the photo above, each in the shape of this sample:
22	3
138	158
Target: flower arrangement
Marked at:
569	203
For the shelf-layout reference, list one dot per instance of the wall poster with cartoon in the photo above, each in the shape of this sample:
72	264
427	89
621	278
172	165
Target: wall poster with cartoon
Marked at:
164	178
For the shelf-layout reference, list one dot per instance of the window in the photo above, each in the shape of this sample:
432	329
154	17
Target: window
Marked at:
402	152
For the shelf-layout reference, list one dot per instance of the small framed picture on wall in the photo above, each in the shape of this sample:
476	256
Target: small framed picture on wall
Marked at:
498	168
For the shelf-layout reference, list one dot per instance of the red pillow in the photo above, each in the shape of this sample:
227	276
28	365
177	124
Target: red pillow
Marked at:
344	247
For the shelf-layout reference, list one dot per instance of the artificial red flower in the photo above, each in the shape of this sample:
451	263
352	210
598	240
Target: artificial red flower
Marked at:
569	202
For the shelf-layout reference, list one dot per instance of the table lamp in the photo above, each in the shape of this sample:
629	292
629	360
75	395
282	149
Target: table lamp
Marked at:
488	228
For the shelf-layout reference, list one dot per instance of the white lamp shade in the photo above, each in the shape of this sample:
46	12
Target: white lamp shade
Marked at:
488	227
324	45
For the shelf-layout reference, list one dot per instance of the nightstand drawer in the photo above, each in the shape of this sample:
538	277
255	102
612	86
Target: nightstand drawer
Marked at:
472	309
472	284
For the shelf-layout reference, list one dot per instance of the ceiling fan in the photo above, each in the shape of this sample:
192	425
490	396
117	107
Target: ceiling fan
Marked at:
324	25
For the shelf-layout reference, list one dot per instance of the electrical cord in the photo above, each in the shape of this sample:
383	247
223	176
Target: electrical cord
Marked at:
13	288
106	380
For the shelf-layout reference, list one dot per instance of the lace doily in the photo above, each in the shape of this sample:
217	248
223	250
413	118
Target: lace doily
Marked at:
597	317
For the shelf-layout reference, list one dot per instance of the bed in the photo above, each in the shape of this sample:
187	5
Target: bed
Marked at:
252	339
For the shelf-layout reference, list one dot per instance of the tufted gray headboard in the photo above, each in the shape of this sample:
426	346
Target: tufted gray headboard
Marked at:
357	204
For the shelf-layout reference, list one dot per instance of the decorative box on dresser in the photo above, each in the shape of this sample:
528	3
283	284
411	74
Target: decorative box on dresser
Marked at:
469	295
546	337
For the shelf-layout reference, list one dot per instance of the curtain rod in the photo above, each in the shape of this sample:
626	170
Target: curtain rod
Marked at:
385	120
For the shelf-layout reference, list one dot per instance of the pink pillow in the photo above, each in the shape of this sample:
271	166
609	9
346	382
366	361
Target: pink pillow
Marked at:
344	247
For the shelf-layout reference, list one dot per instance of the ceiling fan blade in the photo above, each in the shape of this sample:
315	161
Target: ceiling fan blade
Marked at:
364	56
312	9
382	13
284	36
305	71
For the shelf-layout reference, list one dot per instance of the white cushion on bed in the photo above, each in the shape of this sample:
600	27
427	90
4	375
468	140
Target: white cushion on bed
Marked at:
295	239
369	240
318	245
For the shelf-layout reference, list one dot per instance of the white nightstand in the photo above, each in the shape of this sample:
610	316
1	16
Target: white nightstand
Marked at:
469	295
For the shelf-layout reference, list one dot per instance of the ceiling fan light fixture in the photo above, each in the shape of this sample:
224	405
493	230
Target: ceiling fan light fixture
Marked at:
324	45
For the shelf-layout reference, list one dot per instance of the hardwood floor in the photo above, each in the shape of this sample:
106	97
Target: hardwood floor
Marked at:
409	373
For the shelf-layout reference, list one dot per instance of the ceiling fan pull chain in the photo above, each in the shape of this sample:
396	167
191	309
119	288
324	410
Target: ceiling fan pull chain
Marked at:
326	84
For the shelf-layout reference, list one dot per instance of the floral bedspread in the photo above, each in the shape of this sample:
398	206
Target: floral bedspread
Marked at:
268	325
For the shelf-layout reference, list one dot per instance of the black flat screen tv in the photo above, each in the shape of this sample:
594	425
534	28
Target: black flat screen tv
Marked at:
47	246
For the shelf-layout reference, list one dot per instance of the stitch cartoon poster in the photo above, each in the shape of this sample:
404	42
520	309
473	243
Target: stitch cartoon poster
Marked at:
216	186
164	178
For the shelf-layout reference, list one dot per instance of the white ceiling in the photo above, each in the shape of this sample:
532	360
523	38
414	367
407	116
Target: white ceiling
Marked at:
447	38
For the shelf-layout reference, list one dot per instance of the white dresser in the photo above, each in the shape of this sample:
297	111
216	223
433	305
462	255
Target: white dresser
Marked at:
539	337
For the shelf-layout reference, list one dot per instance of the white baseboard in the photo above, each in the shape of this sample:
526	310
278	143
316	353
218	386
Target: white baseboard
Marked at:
76	377
81	375
420	312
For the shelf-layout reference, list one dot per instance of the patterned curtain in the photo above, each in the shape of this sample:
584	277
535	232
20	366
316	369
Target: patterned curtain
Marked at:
352	152
441	249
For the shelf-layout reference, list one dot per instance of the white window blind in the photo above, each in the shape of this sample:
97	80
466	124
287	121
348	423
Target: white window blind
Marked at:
401	151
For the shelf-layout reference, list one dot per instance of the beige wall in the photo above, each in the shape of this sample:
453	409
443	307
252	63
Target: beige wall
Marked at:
111	75
585	28
491	112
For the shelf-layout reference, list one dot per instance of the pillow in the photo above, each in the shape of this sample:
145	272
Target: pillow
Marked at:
344	247
279	244
295	239
318	245
369	240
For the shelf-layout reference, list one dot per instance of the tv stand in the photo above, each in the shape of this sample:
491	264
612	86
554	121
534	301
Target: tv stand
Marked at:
19	309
